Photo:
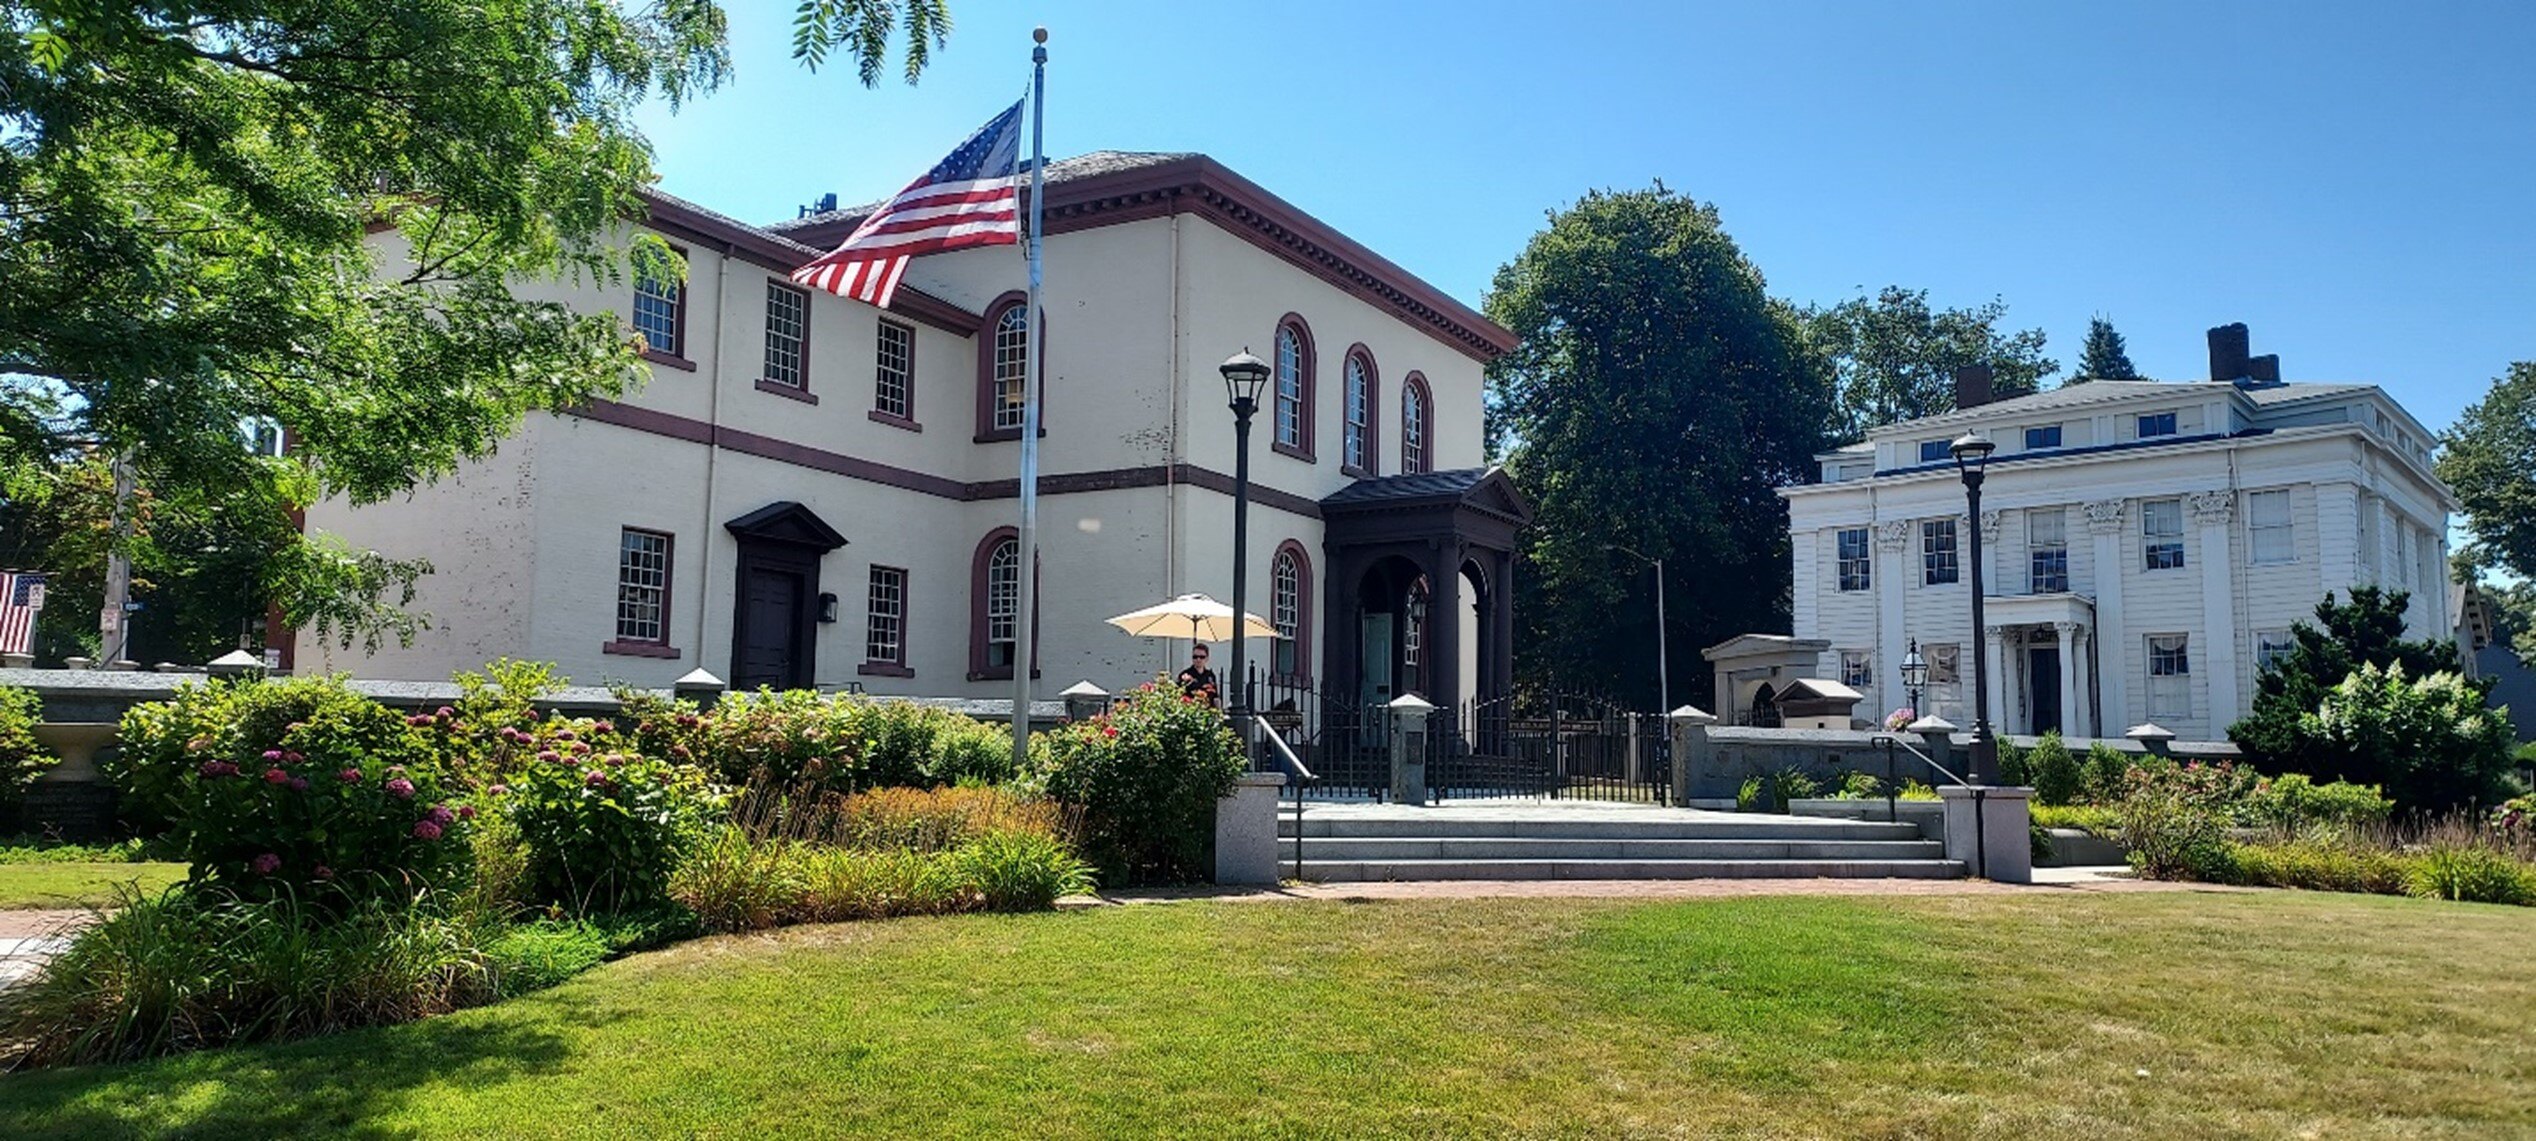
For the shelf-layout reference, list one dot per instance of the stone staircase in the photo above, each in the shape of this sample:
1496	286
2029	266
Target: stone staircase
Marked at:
1570	840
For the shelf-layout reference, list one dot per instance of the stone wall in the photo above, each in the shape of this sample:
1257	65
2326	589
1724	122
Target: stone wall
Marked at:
1722	757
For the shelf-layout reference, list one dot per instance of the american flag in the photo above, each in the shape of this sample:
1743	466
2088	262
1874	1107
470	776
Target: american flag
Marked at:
21	595
967	199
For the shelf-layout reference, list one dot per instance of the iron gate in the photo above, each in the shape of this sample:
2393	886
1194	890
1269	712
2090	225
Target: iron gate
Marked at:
1527	746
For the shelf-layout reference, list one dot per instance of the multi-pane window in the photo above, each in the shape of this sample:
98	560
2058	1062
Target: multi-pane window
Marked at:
1412	428
894	372
2271	648
1945	663
885	617
2268	527
1855	565
1003	602
1857	668
2170	676
1291	412
642	587
1936	451
263	435
2047	551
2037	439
1012	360
787	335
1360	407
2157	424
1938	563
1285	610
660	301
2162	534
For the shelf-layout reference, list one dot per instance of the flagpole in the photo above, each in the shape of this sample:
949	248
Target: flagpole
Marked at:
1025	643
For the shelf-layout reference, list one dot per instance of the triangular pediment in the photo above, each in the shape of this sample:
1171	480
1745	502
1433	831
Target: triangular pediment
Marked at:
787	522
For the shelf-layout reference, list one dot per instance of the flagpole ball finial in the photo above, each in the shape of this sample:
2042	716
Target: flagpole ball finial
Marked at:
1039	35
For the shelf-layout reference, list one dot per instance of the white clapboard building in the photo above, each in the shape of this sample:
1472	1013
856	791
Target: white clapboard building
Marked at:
2147	546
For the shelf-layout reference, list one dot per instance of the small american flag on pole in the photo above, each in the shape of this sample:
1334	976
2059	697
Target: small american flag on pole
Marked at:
21	595
968	199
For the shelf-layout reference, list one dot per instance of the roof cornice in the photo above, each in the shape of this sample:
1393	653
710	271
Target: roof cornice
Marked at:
680	219
1200	185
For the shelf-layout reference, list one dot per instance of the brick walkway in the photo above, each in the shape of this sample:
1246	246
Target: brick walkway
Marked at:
2047	881
31	935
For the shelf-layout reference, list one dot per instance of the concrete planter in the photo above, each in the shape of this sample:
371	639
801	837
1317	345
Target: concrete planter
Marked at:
2073	848
1246	830
1929	815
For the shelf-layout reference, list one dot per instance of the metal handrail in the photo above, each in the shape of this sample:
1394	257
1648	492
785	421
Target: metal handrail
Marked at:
1300	774
1980	829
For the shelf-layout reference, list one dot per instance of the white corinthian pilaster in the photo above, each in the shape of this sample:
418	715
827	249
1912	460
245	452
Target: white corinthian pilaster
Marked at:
2213	512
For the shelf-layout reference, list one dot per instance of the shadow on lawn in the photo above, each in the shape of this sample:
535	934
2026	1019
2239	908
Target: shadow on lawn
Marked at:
339	1085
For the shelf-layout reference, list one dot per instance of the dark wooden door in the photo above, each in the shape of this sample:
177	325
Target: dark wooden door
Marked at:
2042	672
770	631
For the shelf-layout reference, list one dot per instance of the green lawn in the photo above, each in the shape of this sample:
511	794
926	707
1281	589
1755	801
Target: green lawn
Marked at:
2133	1015
78	884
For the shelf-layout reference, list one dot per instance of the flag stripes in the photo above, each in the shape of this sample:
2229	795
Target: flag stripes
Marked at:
968	199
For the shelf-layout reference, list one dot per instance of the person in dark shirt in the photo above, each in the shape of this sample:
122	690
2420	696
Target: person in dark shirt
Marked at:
1198	678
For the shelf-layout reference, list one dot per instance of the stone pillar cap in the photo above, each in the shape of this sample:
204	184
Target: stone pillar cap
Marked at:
235	662
1084	688
2149	731
700	678
1412	703
1692	715
1930	724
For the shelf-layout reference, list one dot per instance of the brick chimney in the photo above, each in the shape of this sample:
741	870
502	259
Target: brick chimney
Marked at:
2265	369
1972	386
2228	347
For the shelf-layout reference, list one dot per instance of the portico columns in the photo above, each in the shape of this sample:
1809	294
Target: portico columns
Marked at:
2071	723
2212	510
2113	670
1998	711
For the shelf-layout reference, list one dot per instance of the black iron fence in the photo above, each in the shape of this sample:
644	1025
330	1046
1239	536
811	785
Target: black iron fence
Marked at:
1525	746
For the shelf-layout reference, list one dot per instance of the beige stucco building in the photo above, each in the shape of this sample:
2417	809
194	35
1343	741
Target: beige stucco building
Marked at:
813	491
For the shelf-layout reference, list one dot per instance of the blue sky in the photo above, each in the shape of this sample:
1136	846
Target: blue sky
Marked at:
2356	182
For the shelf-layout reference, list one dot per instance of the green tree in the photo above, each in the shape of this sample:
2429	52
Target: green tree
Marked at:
189	198
2368	630
2489	459
2431	740
1657	400
2104	356
1894	358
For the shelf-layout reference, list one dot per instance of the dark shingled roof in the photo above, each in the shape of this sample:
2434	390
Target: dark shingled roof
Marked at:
1420	485
1059	170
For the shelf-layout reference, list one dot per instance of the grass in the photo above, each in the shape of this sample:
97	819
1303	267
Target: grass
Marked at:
78	883
2118	1015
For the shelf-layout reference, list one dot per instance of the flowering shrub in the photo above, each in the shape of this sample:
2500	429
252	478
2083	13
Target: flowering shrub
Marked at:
299	786
1146	776
2292	802
2432	742
603	825
2175	818
1900	719
21	759
793	735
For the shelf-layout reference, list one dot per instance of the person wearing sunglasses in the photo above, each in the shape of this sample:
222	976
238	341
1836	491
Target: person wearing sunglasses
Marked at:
1199	678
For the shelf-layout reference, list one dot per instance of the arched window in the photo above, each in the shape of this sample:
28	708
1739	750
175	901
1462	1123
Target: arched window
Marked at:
1416	425
1290	611
1356	447
995	606
1293	405
1003	356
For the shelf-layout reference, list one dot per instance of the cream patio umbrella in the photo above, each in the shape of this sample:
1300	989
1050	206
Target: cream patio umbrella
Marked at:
1193	616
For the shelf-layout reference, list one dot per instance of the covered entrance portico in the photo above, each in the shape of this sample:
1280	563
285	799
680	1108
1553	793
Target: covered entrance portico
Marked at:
2042	647
1421	588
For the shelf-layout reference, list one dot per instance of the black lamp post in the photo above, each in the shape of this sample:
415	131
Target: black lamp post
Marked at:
1972	453
1244	376
1914	676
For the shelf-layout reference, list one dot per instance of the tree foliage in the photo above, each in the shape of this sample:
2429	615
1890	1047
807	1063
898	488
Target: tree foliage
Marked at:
1656	401
1894	358
2104	357
2431	740
2489	459
188	197
2368	630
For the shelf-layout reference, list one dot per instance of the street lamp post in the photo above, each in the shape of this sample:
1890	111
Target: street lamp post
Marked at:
1663	657
1244	376
1972	453
1914	676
